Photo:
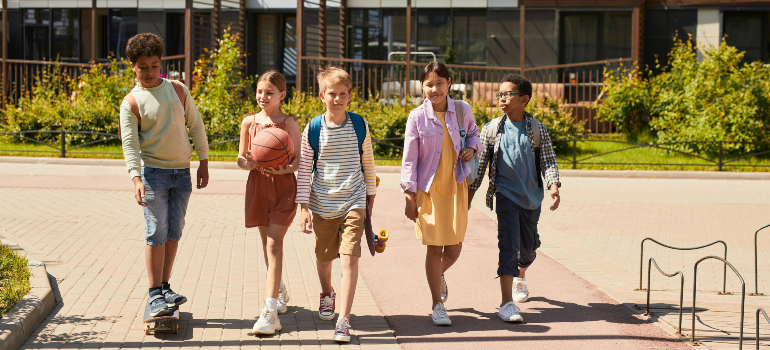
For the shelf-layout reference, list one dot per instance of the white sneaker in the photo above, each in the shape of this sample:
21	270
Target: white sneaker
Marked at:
283	299
510	313
520	292
439	316
268	323
444	290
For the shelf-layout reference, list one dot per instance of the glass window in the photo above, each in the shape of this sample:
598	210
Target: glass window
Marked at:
434	33
541	38
746	31
290	47
36	34
616	36
364	35
503	49
65	28
580	37
661	27
266	42
469	37
394	31
122	26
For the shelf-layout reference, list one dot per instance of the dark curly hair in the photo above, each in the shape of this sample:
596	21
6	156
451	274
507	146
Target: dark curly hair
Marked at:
522	84
144	44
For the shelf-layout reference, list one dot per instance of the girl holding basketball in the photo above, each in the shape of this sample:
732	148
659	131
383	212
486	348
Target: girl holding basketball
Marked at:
270	191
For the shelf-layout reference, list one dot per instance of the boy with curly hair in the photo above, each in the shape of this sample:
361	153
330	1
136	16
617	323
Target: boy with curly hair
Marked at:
154	121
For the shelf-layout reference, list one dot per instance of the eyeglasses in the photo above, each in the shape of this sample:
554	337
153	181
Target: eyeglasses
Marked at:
507	94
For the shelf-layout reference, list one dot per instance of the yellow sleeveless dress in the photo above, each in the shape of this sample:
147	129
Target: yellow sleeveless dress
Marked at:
442	212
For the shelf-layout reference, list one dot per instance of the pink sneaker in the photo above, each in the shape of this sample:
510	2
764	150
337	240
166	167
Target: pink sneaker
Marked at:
342	331
326	310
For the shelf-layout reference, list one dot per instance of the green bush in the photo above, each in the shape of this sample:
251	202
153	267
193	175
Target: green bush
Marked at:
716	99
14	279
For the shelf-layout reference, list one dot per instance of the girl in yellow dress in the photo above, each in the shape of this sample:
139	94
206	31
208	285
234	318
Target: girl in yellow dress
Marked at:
433	178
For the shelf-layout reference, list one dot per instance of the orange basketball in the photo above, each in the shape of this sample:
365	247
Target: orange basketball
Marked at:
272	147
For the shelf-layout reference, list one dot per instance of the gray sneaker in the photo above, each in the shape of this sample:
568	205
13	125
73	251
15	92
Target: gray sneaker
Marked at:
157	305
172	299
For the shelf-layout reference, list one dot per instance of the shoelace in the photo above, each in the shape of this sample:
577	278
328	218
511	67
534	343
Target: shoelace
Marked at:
343	326
326	303
441	312
514	307
265	313
519	286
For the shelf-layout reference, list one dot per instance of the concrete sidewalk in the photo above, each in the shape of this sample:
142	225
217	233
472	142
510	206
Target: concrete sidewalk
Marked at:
82	220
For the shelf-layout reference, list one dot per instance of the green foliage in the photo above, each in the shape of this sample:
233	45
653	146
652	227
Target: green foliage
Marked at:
222	93
716	99
14	279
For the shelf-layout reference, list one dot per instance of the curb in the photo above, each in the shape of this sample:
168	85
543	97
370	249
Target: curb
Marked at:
631	174
24	318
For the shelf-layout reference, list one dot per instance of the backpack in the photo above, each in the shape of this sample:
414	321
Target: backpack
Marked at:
536	127
314	134
135	106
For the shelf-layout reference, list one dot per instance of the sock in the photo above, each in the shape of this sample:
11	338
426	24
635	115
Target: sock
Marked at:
271	303
165	286
154	291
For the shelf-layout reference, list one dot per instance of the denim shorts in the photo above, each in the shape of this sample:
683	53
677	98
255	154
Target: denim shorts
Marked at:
167	192
517	236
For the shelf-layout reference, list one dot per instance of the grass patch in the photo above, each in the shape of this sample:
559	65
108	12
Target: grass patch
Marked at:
14	279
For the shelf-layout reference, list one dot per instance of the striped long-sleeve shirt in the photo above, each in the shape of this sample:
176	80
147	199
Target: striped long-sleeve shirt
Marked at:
338	185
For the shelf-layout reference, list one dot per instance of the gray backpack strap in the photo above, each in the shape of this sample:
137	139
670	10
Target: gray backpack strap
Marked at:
459	113
535	125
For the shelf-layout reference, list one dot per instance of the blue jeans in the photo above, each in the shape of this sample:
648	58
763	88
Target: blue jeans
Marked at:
167	192
517	236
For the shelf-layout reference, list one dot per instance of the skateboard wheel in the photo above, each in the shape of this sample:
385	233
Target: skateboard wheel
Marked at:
380	247
147	329
176	328
383	235
378	181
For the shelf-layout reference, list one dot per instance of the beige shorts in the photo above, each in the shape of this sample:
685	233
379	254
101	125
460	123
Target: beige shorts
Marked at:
340	235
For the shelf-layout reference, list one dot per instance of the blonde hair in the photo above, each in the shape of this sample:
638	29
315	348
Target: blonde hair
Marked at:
274	77
332	75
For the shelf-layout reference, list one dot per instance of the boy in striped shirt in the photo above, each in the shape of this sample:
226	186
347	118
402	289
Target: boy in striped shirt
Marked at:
337	156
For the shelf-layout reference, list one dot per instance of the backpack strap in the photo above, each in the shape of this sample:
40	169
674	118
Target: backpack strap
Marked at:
536	126
314	134
134	106
179	88
460	114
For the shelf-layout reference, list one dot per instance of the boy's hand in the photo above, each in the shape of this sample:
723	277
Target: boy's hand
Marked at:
203	174
411	206
467	154
305	223
555	197
139	191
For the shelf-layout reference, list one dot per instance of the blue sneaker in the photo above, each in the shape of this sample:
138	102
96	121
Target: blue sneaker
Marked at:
172	299
157	305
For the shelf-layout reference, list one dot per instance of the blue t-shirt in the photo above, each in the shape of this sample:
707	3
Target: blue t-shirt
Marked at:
516	167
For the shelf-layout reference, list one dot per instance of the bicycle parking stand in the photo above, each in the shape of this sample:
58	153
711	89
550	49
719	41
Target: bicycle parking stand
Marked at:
695	290
681	291
756	271
641	262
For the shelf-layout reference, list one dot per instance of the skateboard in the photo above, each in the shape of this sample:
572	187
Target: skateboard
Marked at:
165	324
380	239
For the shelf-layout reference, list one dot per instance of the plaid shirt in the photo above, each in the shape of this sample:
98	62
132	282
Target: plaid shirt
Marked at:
490	141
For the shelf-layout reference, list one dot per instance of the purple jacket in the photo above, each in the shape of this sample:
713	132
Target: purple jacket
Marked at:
422	144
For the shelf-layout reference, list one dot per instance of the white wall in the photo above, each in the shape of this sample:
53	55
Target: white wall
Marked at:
709	28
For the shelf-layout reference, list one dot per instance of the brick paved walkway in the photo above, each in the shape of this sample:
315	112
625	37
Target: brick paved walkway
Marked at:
596	233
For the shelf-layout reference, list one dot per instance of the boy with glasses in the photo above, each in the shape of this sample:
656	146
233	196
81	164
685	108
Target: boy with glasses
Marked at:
518	150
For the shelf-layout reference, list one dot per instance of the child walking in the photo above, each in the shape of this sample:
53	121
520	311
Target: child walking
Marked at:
154	121
433	178
336	181
270	193
518	150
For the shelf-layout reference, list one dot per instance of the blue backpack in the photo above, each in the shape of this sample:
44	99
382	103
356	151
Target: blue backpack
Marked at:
314	134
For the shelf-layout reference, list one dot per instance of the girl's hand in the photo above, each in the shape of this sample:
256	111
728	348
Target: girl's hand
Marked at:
279	171
467	154
251	164
411	206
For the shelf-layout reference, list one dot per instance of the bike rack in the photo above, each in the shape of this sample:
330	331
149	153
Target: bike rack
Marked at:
756	271
766	318
695	290
641	262
681	291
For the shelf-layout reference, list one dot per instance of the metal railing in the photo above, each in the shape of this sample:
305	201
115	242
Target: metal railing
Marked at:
641	262
681	291
766	318
720	162
756	264
695	290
